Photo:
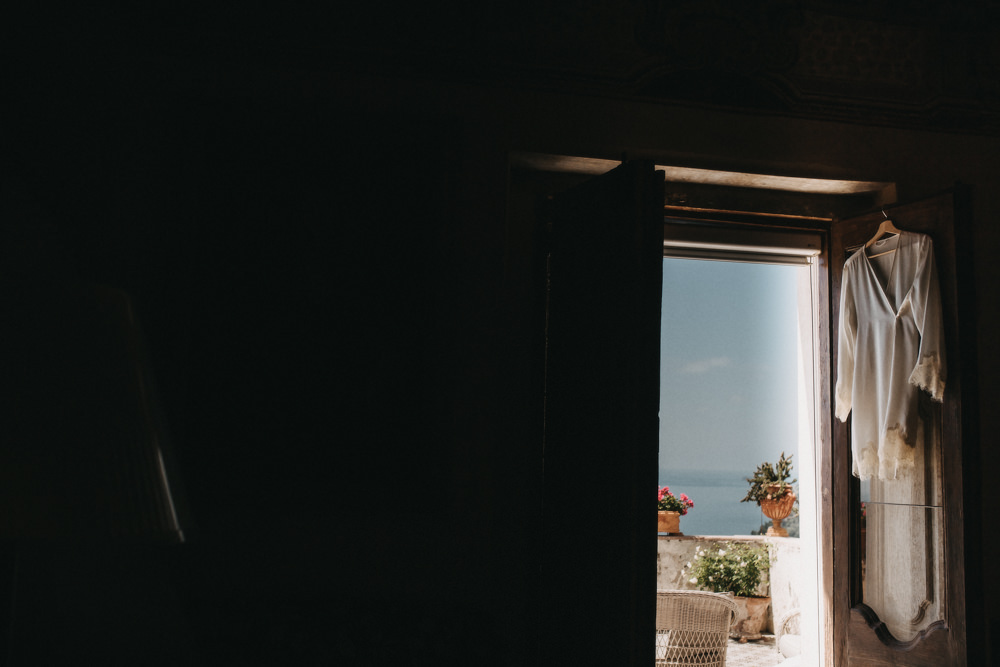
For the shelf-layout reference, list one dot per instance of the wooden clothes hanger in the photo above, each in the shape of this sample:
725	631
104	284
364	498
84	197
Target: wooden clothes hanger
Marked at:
885	228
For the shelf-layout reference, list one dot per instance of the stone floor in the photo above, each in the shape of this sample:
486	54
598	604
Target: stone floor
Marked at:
761	653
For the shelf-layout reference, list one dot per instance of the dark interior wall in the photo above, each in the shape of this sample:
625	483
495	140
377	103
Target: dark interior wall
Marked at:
344	321
325	334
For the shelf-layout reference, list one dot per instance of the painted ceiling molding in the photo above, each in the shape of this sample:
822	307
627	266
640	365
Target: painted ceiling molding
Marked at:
907	63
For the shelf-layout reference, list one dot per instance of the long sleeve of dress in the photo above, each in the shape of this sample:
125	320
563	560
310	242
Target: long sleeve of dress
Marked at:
930	371
846	341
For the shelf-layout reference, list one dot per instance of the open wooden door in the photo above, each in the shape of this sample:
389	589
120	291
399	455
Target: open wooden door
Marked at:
899	547
604	267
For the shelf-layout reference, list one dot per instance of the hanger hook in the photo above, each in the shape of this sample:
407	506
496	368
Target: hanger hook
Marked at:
884	215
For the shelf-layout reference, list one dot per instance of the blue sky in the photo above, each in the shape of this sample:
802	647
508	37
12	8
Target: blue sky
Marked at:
727	365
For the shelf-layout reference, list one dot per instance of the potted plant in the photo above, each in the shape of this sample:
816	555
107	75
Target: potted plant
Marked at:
771	489
669	510
739	569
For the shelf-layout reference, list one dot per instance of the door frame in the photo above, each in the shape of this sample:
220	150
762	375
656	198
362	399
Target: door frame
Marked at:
761	230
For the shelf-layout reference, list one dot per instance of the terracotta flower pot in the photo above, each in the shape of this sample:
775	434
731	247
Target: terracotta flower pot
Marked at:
751	616
668	522
777	509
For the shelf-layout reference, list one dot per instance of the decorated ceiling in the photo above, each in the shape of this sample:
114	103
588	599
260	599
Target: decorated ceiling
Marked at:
911	64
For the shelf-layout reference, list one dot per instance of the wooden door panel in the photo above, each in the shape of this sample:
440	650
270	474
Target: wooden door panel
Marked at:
601	419
914	538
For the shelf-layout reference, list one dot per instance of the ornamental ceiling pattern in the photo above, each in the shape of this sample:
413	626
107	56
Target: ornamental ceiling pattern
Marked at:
909	64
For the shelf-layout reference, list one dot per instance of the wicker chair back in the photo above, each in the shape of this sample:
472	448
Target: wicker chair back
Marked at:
692	628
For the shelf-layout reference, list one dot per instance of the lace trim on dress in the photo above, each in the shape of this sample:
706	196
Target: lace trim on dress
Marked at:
895	457
843	402
866	462
927	376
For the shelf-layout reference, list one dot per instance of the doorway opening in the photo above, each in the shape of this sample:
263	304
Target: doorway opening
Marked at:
602	254
738	387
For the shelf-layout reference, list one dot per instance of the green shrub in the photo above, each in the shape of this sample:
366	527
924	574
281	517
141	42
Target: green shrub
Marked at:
735	567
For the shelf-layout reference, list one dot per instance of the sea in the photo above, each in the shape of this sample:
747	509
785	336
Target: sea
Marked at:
717	508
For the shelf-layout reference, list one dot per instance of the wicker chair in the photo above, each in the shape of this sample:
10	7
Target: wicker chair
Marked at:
692	627
787	637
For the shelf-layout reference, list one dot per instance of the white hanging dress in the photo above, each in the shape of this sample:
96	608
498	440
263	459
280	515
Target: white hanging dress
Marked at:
891	345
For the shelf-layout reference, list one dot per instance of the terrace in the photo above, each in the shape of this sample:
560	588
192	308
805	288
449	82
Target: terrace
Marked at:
675	551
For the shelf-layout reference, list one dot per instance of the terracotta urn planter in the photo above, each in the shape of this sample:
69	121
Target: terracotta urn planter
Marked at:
777	509
668	522
751	616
